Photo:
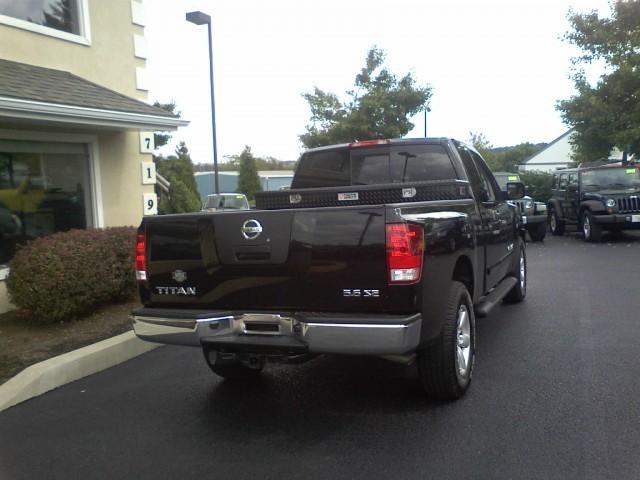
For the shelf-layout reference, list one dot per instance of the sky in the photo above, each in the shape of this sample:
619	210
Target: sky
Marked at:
496	67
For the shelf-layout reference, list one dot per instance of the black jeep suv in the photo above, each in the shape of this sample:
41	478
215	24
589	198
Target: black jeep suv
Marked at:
595	199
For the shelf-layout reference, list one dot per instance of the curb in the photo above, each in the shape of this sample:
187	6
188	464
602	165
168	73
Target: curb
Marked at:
68	367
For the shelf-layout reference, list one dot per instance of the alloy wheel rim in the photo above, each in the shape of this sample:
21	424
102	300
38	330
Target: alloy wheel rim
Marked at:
586	227
463	342
552	222
523	273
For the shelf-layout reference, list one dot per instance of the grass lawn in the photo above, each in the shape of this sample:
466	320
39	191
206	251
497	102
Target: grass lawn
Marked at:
23	343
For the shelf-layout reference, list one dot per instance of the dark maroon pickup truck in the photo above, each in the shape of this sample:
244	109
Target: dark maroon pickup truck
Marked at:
388	248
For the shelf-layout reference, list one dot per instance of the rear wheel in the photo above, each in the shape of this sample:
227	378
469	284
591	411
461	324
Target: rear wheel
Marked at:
538	233
592	231
446	365
555	224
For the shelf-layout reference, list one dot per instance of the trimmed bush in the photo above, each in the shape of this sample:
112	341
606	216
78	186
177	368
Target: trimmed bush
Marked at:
68	274
538	185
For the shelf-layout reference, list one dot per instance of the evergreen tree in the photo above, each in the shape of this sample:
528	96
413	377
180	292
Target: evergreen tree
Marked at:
183	193
378	107
248	179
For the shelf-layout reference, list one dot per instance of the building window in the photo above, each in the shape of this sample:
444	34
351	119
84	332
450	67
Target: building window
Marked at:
44	188
66	19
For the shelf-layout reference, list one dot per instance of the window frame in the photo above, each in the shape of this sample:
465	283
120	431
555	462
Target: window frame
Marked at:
95	175
83	38
492	190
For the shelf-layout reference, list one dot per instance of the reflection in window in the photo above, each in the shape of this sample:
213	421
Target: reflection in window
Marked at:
42	191
369	169
59	14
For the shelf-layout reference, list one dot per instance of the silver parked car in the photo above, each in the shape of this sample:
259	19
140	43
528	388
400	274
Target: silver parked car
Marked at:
225	201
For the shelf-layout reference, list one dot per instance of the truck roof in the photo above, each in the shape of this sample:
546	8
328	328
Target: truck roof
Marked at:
392	141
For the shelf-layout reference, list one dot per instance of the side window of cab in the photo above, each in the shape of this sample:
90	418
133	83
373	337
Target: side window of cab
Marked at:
573	180
488	182
564	180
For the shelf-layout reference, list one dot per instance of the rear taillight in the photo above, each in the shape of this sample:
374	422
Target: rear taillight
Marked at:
141	257
405	249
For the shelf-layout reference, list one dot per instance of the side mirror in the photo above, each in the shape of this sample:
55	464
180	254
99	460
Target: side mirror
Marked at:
515	190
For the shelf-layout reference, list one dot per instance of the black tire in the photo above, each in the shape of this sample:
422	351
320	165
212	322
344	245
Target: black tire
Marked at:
438	362
232	370
537	234
591	230
519	291
555	224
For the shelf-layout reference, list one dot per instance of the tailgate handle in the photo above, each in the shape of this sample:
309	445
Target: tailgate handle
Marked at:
253	253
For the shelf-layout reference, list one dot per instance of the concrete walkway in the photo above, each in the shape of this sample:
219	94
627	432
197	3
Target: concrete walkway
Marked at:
68	367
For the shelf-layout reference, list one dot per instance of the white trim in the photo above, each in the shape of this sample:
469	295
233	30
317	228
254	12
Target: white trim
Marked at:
95	177
142	79
71	114
139	46
138	16
84	38
94	161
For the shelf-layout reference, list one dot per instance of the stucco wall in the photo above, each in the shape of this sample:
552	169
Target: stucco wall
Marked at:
121	178
109	60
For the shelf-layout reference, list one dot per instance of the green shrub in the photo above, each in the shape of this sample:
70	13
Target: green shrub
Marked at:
538	185
64	275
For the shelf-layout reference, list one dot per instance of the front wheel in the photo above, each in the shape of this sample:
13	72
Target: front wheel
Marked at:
519	290
538	233
592	231
446	365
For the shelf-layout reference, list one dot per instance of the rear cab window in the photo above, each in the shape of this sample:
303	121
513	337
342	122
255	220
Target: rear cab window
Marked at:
373	166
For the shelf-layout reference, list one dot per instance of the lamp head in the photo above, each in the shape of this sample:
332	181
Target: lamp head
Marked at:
199	18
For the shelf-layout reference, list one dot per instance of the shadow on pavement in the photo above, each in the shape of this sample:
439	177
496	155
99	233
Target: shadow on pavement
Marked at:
323	396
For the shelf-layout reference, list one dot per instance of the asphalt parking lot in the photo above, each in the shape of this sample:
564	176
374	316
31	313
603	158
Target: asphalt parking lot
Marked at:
555	395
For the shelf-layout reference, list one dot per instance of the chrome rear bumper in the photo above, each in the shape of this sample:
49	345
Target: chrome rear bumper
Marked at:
363	335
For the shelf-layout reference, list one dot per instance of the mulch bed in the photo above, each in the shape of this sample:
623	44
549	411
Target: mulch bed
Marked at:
23	342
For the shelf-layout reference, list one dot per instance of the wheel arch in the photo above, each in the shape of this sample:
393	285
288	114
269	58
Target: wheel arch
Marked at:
554	204
463	273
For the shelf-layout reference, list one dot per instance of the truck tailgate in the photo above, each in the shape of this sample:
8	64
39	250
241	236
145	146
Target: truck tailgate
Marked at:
328	259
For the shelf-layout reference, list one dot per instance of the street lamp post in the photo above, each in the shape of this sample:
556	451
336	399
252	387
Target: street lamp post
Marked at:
426	110
200	18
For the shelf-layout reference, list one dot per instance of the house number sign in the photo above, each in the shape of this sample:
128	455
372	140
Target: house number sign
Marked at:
150	203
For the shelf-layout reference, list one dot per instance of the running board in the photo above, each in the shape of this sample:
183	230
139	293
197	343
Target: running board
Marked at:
483	308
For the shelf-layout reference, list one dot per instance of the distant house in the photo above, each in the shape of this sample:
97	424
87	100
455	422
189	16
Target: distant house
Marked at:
557	155
76	137
228	181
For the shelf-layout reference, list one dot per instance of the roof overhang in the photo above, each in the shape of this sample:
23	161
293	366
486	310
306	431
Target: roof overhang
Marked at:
41	112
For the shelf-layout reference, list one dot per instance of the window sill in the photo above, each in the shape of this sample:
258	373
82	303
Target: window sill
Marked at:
49	32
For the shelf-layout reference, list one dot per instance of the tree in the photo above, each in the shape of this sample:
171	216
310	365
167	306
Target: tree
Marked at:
484	148
248	180
378	107
503	159
607	114
183	194
162	138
